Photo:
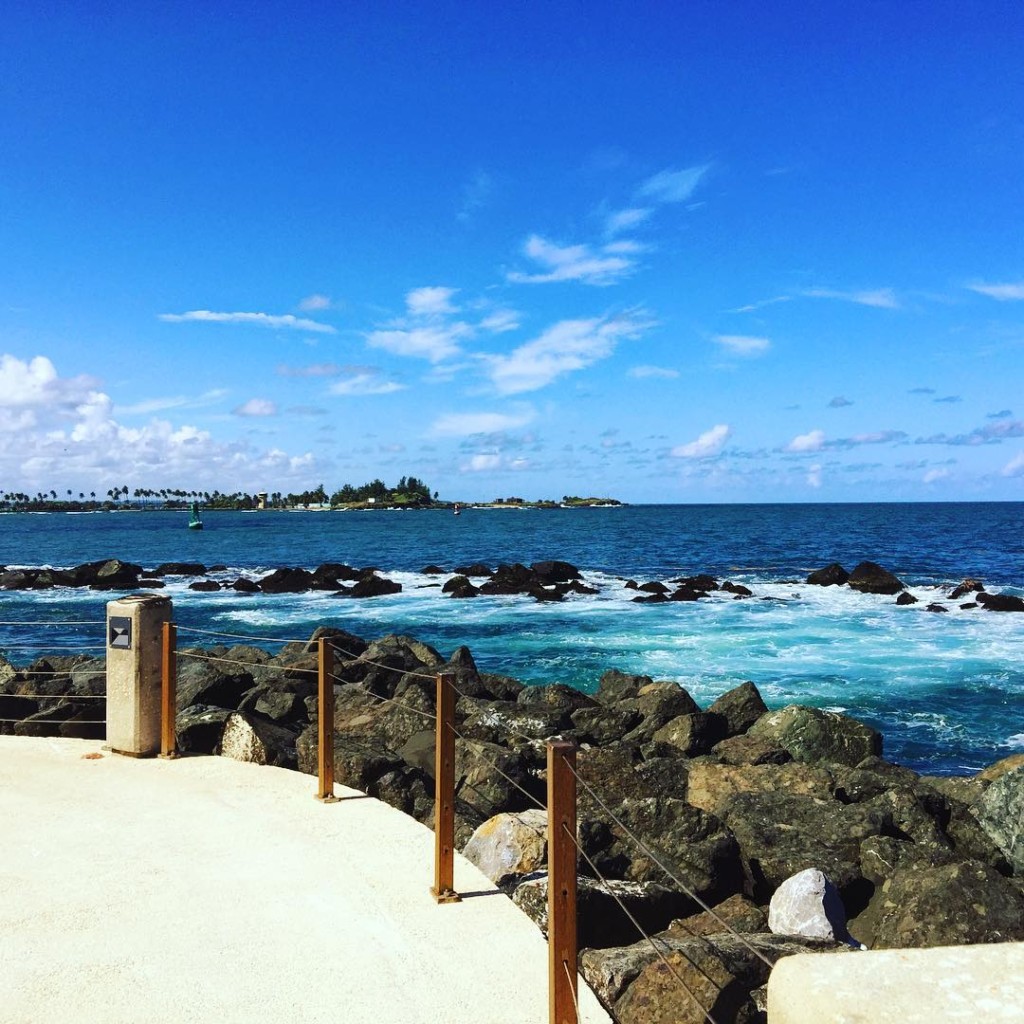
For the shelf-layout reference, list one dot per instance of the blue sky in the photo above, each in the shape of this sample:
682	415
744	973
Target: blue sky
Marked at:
676	252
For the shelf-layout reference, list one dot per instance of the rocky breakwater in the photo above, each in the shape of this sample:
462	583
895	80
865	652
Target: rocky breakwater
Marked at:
703	823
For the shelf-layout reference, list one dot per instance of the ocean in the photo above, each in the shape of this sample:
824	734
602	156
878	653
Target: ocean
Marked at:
946	690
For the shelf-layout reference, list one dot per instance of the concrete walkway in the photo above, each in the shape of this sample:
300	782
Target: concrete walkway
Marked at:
205	889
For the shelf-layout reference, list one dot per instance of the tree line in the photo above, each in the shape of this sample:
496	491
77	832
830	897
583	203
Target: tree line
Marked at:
409	491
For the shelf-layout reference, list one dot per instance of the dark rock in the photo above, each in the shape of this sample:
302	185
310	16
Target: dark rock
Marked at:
1000	812
245	586
555	697
737	588
871	578
813	735
179	569
1001	602
738	914
951	905
702	582
659	703
555	572
205	585
605	724
373	585
488	791
615	686
936	608
112	574
199	727
476	569
693	734
741	707
432	570
151	584
906	597
968	586
746	749
539	593
687	594
459	586
509	579
651	599
653	588
210	683
601	918
833	575
286	581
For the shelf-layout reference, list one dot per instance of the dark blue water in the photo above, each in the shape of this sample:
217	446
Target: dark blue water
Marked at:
947	690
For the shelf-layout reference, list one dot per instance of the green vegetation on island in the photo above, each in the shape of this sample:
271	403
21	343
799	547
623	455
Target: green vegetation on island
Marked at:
408	492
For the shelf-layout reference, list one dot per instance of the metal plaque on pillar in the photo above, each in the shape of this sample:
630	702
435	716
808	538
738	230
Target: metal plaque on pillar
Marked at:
120	627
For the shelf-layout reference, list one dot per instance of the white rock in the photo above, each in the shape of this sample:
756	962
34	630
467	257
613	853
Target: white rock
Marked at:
808	904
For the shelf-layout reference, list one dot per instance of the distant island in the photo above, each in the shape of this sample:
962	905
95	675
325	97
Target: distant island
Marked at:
408	493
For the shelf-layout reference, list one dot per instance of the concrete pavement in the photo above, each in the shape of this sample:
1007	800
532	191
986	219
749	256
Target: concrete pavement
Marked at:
210	890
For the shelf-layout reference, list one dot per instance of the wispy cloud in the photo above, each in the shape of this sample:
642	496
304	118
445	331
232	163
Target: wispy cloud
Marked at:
500	321
572	263
1015	467
948	400
1010	292
365	381
314	370
315	303
433	343
921	391
752	307
879	298
707	446
991	433
815	441
743	344
430	301
475	194
839	402
256	407
673	186
626	220
285	321
644	372
566	346
468	424
1003	414
935	475
151	405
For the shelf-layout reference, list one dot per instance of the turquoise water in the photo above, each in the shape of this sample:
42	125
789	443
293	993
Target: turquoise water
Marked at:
947	690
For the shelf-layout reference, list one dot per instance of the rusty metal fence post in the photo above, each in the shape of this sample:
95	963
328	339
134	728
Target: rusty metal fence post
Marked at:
169	691
443	890
562	951
325	722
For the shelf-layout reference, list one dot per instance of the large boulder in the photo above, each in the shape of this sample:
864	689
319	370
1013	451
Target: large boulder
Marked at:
112	574
608	912
614	686
372	585
510	845
871	578
949	905
1000	812
713	787
808	904
1001	602
833	575
286	581
741	707
812	735
198	728
555	571
736	914
250	738
179	569
692	735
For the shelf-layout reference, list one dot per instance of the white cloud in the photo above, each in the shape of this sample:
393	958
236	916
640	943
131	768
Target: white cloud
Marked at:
256	407
466	424
367	382
571	263
64	430
752	307
624	220
671	186
314	370
566	346
500	321
258	319
1015	467
1003	292
643	372
430	302
879	298
813	441
150	405
314	303
814	476
483	462
934	475
433	343
743	344
709	444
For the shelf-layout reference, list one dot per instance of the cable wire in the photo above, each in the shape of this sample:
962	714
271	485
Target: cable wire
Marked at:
240	636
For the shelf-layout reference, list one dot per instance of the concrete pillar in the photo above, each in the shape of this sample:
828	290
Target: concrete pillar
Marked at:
134	648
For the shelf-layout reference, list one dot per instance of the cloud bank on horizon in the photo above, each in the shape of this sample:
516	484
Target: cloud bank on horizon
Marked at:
684	280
